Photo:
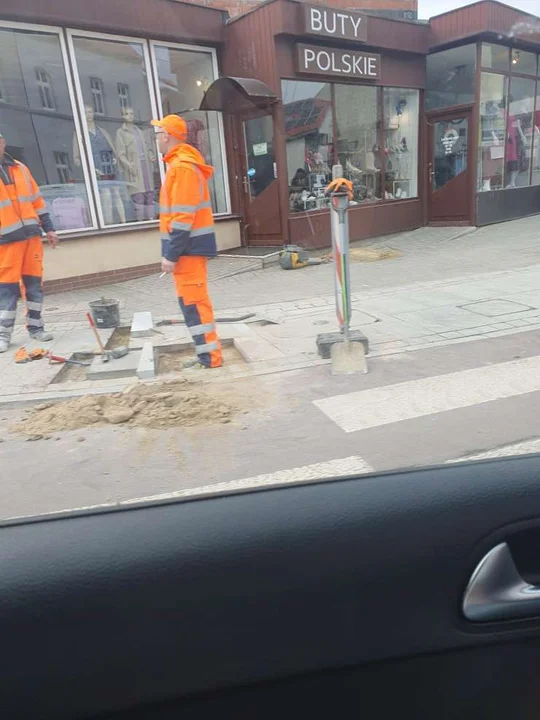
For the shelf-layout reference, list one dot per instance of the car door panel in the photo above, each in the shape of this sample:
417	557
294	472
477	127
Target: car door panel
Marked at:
340	587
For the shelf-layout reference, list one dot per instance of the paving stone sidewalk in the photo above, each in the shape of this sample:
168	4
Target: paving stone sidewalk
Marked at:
447	285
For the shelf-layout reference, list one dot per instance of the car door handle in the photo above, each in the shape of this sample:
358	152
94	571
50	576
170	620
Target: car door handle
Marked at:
497	592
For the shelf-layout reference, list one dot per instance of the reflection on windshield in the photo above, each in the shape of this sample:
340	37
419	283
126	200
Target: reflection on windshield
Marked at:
320	274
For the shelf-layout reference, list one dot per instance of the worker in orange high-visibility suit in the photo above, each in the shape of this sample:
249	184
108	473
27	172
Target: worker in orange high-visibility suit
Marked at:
23	217
187	235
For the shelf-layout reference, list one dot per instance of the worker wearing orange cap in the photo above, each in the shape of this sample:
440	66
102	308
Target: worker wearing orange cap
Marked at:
187	235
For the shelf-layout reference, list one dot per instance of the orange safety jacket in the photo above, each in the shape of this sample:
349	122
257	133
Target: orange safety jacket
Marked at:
23	213
186	221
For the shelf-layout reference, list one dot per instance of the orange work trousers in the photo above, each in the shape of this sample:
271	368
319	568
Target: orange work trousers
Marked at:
21	269
191	281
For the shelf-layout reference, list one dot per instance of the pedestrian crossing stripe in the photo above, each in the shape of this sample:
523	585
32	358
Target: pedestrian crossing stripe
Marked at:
378	406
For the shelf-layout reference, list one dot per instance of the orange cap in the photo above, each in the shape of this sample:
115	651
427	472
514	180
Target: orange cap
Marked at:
174	125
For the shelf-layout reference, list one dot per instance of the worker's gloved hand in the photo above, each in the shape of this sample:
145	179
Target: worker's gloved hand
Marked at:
22	356
340	185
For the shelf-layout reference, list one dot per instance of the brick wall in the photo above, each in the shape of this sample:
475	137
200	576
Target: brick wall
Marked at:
237	7
100	278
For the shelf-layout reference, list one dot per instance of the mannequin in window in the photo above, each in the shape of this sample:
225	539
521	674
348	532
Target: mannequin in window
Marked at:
135	162
515	143
104	157
492	148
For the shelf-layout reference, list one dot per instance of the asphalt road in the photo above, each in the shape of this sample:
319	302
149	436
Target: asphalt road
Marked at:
413	409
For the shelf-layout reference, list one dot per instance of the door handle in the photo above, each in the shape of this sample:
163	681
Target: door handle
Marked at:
497	592
245	182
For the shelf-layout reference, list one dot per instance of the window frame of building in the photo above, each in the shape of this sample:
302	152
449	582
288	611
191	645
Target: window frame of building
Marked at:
215	75
98	95
332	83
3	94
72	35
511	74
70	69
124	95
61	160
59	33
46	94
467	98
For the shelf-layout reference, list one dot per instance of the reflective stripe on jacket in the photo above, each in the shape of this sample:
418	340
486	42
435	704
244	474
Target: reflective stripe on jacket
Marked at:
23	212
186	221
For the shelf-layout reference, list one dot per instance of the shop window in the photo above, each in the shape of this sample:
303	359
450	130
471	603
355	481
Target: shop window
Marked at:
43	80
98	99
359	140
121	146
523	62
123	96
491	148
38	120
309	132
519	111
184	76
495	57
450	77
400	124
535	154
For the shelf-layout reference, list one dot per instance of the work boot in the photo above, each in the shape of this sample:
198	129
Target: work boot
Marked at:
42	336
193	364
4	345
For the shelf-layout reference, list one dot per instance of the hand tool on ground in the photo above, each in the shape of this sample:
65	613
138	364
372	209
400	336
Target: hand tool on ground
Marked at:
178	321
293	257
60	359
106	355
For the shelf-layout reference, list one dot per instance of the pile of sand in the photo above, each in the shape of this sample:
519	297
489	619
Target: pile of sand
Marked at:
160	405
366	254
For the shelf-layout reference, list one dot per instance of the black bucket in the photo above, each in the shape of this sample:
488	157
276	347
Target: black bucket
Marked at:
106	312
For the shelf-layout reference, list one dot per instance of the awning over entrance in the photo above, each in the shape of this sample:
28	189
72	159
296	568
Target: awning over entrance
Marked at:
237	95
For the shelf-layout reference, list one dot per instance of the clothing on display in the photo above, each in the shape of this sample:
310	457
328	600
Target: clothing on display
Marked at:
135	163
105	164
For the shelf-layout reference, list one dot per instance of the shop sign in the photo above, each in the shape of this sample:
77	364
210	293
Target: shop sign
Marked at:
343	63
334	23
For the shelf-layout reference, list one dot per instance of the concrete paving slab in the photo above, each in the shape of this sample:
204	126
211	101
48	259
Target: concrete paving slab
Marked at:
232	330
495	308
443	319
81	340
254	348
147	364
311	324
122	367
165	335
142	324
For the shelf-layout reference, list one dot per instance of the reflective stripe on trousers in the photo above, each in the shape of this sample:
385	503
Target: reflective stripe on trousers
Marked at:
21	269
191	280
